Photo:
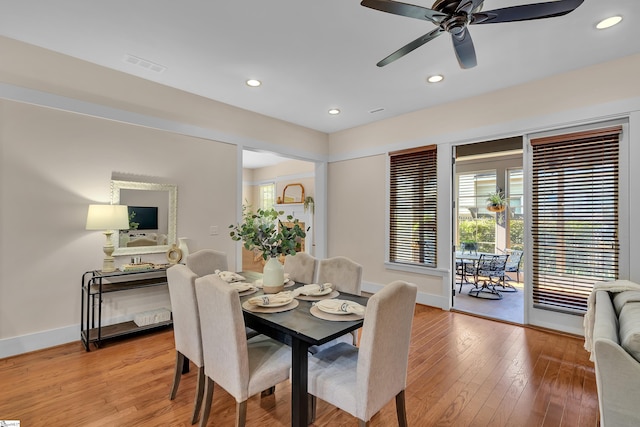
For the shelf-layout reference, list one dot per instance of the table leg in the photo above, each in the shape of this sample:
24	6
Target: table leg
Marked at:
299	372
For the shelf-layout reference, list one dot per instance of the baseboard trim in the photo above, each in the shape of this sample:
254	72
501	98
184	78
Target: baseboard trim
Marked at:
38	341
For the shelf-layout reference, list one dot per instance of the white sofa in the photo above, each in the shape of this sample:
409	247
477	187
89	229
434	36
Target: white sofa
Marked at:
616	351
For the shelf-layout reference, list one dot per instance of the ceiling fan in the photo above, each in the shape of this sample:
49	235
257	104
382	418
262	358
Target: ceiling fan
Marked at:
453	16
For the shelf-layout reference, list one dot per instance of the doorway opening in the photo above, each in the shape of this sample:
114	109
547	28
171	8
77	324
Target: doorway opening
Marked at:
265	178
489	241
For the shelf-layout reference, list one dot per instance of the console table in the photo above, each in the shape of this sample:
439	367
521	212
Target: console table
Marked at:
95	284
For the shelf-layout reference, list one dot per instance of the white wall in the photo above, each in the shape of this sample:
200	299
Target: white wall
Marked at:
63	134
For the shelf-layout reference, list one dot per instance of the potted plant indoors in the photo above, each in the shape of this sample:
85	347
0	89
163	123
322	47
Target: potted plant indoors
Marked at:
263	231
496	202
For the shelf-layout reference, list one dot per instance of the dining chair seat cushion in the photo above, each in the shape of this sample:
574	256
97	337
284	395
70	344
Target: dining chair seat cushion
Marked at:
332	373
269	363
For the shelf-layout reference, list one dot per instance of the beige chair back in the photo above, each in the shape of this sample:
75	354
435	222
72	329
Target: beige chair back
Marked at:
207	261
344	273
184	308
301	267
383	356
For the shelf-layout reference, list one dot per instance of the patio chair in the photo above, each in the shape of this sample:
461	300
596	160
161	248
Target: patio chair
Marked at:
488	273
515	262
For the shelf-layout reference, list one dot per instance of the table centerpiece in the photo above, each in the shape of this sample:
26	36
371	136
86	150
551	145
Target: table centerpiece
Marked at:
263	231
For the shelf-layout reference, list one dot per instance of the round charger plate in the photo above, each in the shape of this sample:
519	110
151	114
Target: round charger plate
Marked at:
333	294
256	309
247	292
287	283
315	311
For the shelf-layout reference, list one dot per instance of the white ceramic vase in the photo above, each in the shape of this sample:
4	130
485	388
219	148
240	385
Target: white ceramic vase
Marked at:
182	245
273	276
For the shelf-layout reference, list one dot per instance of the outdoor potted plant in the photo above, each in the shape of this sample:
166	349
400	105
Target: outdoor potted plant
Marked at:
496	202
264	232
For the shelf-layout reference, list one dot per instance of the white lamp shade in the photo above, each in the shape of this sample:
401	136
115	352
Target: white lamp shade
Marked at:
108	217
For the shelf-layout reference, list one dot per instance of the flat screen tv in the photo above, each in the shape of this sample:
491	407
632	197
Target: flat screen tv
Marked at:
145	216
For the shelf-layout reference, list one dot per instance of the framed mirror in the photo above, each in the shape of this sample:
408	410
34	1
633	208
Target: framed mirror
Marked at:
293	193
152	216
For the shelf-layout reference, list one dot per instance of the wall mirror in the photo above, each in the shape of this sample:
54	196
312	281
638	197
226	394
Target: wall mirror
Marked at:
293	193
152	216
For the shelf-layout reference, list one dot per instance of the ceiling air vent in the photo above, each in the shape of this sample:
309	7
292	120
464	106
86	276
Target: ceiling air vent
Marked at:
143	63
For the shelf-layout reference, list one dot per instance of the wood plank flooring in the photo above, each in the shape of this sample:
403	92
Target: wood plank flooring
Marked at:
463	371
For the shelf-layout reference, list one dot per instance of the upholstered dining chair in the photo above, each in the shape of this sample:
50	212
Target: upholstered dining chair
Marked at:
344	273
346	276
241	366
362	380
301	267
186	329
207	261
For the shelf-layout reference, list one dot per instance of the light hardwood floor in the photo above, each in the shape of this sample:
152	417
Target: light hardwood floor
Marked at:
463	371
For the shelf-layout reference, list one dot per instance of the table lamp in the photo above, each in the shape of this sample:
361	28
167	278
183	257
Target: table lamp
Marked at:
108	218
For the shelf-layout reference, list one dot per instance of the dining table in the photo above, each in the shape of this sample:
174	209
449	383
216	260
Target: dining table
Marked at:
299	329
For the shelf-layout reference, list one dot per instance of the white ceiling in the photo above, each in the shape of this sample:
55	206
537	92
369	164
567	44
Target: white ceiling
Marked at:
316	55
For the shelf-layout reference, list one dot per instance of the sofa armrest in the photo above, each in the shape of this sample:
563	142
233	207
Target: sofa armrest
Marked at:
618	382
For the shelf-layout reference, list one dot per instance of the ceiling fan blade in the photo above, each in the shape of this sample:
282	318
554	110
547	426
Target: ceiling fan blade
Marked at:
463	46
404	9
526	12
410	47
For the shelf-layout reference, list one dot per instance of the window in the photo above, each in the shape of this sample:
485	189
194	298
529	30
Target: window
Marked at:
515	212
574	216
475	222
412	206
267	194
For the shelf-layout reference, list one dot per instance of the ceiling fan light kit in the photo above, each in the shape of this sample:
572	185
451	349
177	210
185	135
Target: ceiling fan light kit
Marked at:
453	17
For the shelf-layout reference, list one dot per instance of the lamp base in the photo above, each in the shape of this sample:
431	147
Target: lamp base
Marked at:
108	264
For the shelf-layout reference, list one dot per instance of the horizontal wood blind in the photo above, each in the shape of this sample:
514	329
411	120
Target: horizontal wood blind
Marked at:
574	217
413	207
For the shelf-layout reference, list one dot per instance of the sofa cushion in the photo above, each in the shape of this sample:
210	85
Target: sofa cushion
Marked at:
630	328
621	298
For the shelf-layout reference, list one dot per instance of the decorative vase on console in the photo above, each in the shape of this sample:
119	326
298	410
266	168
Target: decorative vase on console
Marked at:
263	231
182	245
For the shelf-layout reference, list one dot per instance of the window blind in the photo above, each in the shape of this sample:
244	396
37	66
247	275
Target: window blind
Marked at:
574	217
413	206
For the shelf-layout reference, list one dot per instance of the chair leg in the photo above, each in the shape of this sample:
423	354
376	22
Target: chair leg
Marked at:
241	414
208	398
311	402
355	337
176	375
363	423
401	409
268	392
199	395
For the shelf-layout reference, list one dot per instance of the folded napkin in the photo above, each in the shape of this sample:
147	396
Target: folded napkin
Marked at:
313	289
340	306
242	286
280	298
229	276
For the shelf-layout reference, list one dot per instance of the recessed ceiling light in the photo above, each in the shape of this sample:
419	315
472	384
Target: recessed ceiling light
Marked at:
334	111
608	22
436	78
253	82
